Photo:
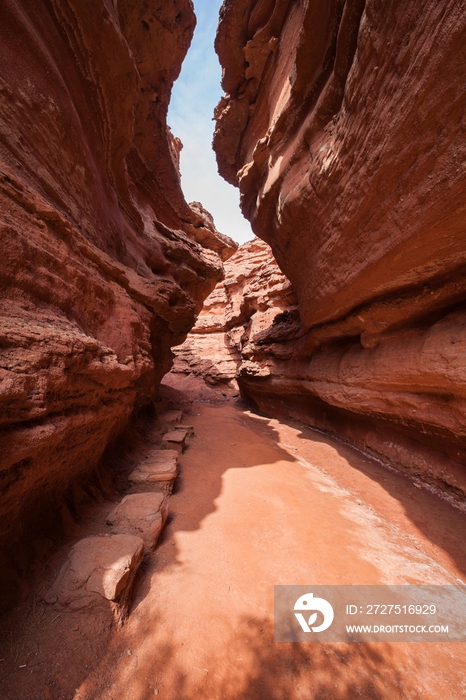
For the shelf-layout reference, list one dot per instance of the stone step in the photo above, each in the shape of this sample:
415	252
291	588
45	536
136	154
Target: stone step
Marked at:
140	514
157	472
175	440
171	417
189	429
99	572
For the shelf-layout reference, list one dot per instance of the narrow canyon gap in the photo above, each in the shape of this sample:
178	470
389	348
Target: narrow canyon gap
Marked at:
142	533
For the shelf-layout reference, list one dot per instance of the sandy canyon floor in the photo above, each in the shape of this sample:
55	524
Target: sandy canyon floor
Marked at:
258	502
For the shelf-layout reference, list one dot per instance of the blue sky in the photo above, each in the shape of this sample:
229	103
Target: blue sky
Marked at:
194	96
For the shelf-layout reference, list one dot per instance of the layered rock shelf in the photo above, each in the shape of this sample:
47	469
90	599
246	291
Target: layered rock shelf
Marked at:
252	308
343	126
99	572
104	265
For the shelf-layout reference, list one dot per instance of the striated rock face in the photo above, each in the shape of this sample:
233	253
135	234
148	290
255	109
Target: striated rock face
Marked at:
241	329
103	265
207	235
344	127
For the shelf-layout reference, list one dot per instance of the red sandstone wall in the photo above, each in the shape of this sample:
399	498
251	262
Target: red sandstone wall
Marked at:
255	301
344	128
102	264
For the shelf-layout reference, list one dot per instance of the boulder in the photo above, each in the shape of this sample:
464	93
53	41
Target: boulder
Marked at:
99	571
175	440
140	514
157	472
188	429
171	417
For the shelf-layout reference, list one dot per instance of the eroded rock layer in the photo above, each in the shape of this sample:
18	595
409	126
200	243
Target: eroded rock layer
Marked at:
103	265
344	127
244	323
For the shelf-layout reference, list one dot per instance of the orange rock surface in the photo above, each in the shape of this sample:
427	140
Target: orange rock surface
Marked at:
103	264
226	339
343	126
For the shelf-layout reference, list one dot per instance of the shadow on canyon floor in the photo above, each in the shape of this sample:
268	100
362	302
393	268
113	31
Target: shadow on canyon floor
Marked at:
255	669
49	655
200	481
66	659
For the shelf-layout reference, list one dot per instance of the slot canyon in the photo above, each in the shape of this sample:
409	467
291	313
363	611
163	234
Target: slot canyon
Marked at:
189	421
